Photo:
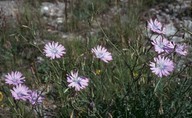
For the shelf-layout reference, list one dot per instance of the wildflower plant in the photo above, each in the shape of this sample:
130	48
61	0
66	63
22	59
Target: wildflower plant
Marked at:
20	92
162	66
35	97
102	53
181	49
156	26
132	77
162	45
14	78
76	81
54	50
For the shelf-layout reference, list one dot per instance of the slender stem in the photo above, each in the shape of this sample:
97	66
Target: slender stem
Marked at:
157	85
55	68
107	39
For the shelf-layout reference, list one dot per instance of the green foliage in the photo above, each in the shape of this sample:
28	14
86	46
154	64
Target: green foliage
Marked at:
122	88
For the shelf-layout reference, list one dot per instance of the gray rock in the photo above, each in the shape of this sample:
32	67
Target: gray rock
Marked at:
158	37
53	9
187	36
177	39
170	29
188	24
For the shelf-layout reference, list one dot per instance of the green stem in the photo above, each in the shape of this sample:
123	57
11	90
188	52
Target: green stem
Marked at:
157	85
55	68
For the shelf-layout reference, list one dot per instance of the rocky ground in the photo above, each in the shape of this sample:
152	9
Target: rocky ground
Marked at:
175	16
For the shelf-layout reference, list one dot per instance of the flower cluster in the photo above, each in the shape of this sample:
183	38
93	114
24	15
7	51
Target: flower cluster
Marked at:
52	50
55	50
163	66
20	91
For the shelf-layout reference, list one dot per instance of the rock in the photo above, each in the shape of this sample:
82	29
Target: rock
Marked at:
156	37
177	39
52	9
45	10
187	36
170	29
60	20
188	24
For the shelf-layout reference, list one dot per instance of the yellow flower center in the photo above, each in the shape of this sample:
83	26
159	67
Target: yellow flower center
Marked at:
98	72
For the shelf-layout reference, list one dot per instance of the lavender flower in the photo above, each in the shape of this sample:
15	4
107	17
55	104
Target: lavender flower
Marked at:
102	53
54	50
163	45
14	78
77	82
35	97
181	49
162	66
156	26
20	92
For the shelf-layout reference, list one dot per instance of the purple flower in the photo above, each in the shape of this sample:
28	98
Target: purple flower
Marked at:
20	92
181	49
163	45
14	78
35	97
156	26
162	66
77	82
102	53
54	50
